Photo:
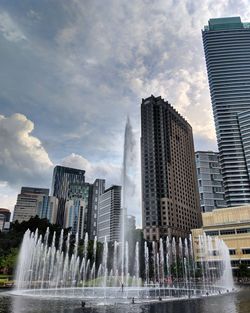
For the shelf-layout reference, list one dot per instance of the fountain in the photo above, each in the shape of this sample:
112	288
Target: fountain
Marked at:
52	267
59	266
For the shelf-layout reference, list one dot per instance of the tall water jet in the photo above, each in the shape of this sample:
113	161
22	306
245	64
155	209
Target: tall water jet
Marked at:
128	187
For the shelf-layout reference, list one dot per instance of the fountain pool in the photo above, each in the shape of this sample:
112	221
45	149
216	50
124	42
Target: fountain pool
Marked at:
59	267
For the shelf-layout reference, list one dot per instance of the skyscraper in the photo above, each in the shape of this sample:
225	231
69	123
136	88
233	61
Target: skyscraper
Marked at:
210	183
109	214
77	205
27	203
63	179
227	51
47	208
96	190
75	216
170	197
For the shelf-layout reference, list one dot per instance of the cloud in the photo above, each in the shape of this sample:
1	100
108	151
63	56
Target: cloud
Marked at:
23	159
10	29
92	62
83	69
103	170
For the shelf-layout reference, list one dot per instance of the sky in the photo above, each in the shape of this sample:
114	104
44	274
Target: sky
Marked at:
72	71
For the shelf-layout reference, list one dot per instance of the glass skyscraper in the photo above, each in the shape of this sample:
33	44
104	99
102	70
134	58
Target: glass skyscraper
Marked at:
227	51
63	179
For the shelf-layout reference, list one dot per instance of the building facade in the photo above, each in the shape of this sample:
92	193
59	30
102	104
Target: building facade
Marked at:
4	219
77	208
27	203
6	214
47	207
227	51
170	197
232	225
63	178
96	190
109	215
210	181
75	216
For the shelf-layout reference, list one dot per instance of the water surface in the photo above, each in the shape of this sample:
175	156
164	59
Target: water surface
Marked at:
229	303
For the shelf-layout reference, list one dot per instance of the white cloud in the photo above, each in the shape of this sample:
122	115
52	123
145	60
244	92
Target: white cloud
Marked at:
23	159
10	29
104	170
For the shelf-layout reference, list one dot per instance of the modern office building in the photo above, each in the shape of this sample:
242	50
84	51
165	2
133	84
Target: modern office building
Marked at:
170	197
96	190
63	178
109	215
210	182
77	207
75	216
227	51
27	203
233	226
47	207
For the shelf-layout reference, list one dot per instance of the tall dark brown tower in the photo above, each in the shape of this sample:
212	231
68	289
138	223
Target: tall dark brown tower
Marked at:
170	197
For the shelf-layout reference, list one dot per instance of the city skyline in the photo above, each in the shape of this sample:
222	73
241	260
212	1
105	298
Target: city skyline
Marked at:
65	89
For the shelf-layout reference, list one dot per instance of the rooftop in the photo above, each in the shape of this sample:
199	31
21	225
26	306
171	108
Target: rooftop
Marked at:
226	23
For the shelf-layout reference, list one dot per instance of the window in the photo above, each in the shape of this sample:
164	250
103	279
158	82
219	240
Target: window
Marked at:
232	251
246	251
234	263
212	233
243	230
227	232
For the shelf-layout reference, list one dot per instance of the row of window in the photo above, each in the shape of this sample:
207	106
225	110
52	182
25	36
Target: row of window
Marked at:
244	251
228	231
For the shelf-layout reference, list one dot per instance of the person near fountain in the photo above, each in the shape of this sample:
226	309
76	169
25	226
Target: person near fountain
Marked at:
122	287
133	300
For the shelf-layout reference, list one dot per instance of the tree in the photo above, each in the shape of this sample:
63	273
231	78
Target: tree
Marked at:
243	270
8	262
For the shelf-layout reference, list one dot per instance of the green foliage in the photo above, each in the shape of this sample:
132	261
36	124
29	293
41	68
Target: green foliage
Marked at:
10	241
243	270
8	262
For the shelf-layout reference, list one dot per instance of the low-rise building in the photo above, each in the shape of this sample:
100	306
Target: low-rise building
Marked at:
232	225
